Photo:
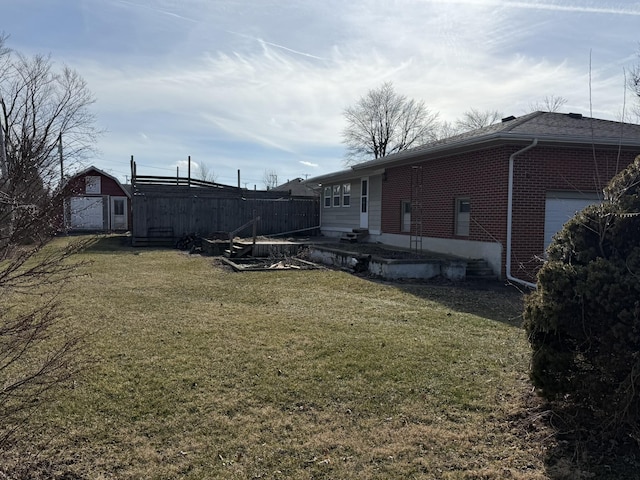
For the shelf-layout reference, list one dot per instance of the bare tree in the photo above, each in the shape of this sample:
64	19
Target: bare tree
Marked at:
42	111
550	103
446	129
270	179
44	117
203	172
384	122
473	119
633	83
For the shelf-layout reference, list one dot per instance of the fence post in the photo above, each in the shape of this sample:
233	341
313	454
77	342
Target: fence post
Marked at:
255	227
133	172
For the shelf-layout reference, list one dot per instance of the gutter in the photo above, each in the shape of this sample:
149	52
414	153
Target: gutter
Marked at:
409	156
512	158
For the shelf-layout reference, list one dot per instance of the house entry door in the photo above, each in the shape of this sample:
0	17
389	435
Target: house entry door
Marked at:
364	203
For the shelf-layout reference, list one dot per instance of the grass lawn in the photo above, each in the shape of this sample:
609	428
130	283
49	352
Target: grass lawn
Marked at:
198	372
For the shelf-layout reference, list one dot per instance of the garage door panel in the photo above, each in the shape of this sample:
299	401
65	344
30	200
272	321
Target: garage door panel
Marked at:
87	213
559	211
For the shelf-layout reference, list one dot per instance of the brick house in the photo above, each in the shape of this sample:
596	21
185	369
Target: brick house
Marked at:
96	201
498	193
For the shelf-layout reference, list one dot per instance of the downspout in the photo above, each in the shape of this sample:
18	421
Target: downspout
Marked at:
512	158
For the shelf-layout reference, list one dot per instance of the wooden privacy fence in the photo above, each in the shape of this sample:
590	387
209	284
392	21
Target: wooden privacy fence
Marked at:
163	213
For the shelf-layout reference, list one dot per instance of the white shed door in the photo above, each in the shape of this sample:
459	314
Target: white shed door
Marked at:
87	213
118	213
560	210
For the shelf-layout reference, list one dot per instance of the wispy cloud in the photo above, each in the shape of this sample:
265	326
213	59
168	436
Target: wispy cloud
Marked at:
265	82
156	10
309	164
265	43
571	7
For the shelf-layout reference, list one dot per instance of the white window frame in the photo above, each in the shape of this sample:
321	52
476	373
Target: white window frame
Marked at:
346	194
92	185
119	220
327	197
405	216
336	196
119	204
463	218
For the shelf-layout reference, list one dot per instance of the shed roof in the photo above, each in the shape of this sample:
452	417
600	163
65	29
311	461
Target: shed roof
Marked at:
90	169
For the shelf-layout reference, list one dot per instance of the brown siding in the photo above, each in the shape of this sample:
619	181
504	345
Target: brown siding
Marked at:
180	210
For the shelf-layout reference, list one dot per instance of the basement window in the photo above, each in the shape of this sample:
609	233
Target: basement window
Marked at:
406	216
463	216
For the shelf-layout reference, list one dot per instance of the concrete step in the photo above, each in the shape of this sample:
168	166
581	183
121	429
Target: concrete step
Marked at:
479	269
356	235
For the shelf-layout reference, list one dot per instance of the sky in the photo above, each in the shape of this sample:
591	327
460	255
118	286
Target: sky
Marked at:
260	86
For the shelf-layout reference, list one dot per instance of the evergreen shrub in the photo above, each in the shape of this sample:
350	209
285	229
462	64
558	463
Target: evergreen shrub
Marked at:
583	321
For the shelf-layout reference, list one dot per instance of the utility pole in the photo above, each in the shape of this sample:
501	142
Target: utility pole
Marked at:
4	171
61	158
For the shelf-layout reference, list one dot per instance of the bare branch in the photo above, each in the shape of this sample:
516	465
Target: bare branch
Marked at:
473	119
38	107
633	84
384	122
270	179
550	103
203	172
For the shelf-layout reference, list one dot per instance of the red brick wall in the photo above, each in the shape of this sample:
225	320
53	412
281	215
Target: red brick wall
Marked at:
482	176
544	169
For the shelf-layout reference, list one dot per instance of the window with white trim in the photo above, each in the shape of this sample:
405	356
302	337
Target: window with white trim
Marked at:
92	184
327	197
463	216
406	216
336	195
346	195
118	206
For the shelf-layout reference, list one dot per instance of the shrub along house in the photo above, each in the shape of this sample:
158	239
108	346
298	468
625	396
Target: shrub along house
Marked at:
498	193
96	201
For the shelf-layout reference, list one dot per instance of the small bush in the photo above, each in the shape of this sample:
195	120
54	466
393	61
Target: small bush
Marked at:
583	321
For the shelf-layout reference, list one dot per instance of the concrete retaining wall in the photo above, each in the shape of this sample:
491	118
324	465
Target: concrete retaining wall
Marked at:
391	269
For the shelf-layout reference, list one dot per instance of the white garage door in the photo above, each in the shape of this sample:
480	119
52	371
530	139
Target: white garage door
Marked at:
87	213
560	208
